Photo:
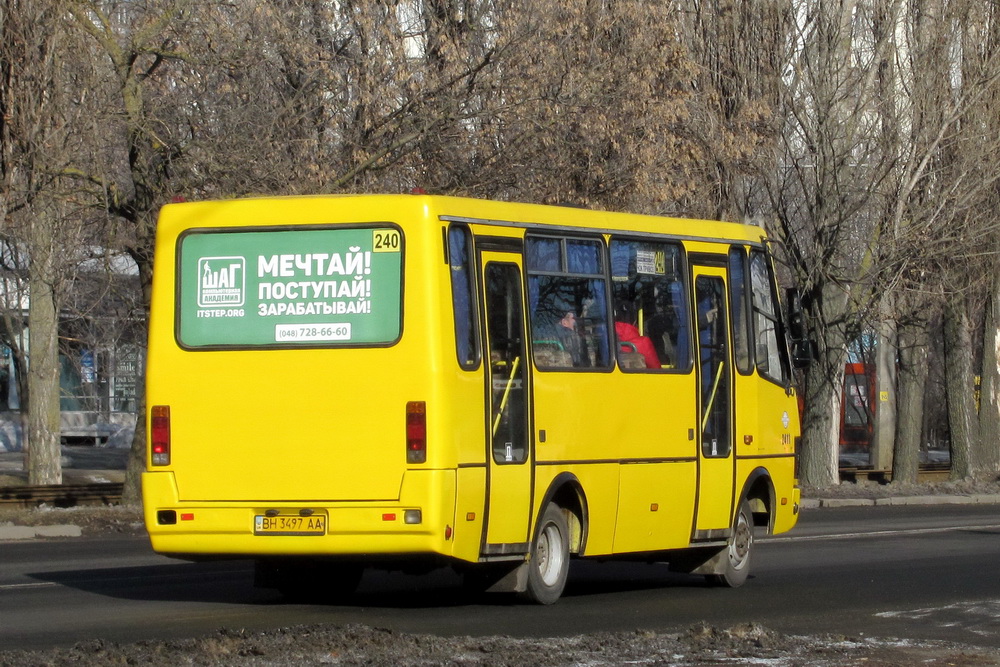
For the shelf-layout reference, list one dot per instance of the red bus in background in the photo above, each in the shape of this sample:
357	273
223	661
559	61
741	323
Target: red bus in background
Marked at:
857	415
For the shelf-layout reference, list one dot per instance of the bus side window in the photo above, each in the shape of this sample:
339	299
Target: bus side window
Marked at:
567	303
651	312
740	309
463	297
772	361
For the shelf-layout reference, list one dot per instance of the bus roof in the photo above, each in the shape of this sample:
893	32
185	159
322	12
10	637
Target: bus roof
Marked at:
311	209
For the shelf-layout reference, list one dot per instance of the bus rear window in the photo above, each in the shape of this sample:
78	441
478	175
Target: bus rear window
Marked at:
315	287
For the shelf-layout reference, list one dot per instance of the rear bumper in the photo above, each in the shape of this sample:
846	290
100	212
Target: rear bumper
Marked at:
353	528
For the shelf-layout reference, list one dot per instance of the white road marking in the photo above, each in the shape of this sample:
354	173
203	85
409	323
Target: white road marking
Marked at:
881	533
40	584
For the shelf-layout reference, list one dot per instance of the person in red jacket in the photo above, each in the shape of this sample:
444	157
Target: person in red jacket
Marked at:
628	333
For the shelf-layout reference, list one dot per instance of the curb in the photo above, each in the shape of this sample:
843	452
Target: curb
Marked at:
34	532
979	499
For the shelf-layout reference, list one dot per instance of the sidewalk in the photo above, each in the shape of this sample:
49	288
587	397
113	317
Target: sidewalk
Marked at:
81	464
931	499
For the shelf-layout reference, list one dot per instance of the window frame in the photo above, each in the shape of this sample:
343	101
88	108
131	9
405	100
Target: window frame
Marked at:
563	271
739	253
682	275
783	377
472	281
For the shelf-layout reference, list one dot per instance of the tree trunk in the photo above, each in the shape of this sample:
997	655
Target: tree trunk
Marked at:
989	400
43	454
132	491
912	378
959	385
824	384
883	403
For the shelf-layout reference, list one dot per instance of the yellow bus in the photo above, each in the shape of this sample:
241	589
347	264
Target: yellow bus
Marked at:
342	382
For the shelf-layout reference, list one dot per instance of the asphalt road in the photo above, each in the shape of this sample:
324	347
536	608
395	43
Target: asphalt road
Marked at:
907	572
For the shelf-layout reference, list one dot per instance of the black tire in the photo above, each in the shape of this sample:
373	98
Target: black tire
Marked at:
736	563
548	561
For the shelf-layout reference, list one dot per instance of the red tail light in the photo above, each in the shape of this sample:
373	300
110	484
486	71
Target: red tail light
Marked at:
416	432
159	434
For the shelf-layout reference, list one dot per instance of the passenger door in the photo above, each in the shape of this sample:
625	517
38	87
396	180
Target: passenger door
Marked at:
714	369
509	455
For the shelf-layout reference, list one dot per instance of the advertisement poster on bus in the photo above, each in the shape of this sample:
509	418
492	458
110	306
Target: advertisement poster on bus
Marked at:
311	287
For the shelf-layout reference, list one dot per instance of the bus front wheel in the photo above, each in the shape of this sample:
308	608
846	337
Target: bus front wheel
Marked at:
735	566
548	560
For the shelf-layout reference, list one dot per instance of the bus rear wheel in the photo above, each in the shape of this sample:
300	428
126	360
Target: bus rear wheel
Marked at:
736	561
548	560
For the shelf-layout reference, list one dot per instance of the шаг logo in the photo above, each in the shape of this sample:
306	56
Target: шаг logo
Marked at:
221	281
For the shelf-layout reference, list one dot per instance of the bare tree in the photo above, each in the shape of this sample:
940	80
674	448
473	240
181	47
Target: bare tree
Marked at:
591	106
740	50
815	112
824	196
912	351
37	139
945	131
978	141
322	101
989	395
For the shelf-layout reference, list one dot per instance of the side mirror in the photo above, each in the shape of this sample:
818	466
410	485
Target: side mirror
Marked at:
803	347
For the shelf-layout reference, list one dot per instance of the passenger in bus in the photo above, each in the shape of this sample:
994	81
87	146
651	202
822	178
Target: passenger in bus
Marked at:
627	332
568	336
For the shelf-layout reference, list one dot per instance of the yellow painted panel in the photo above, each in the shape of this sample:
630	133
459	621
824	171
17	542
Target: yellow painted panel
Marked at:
656	506
599	485
470	511
747	430
271	425
778	419
352	528
613	416
787	493
769	416
510	504
589	423
778	429
716	494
